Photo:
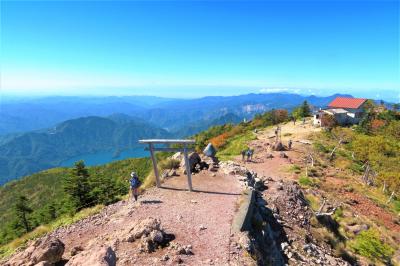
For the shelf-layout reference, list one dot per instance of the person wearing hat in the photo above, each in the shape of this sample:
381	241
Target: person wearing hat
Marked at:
134	184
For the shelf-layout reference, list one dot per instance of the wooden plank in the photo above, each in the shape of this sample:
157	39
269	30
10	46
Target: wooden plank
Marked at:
303	141
168	141
169	149
153	158
188	170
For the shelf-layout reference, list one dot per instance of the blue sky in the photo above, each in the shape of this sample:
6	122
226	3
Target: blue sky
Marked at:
196	48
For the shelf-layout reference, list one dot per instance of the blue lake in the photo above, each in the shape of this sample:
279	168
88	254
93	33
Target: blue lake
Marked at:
106	157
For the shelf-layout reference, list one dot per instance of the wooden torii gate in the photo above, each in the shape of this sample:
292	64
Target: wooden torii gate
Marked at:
152	148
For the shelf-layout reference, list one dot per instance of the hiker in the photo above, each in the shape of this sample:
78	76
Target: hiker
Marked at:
294	120
304	120
243	154
134	184
251	154
290	144
248	153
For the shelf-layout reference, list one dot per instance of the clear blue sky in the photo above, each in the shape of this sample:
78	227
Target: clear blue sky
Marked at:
199	48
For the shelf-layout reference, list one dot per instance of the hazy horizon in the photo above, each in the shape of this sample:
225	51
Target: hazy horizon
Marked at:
184	93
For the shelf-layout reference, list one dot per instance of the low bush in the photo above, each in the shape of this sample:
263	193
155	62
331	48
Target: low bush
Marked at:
295	168
368	244
320	147
170	164
306	181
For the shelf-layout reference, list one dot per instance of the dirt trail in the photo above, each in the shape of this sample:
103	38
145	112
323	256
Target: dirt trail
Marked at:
201	218
276	166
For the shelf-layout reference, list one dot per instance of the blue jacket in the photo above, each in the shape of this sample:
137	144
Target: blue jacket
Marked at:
135	182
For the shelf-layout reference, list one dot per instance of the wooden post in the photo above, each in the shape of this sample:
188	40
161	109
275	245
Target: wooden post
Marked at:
188	170
153	158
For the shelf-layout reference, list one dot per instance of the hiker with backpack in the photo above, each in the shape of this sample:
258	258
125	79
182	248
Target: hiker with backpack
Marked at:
134	185
243	155
249	154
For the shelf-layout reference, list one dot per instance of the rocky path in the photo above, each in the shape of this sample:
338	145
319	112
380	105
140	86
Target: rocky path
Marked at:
198	223
290	219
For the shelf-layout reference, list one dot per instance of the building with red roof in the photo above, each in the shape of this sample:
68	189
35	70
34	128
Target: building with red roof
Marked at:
347	103
345	110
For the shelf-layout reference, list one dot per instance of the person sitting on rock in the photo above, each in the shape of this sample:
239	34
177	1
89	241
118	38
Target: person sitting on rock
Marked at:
134	184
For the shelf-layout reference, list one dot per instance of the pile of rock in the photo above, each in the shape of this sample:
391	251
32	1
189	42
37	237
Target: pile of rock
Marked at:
295	205
278	146
232	168
176	253
150	234
212	162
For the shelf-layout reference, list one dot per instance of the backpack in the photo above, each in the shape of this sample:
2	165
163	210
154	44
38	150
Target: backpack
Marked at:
135	182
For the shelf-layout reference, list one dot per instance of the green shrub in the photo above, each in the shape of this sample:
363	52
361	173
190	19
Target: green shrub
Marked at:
235	146
296	169
369	245
170	164
338	214
320	147
396	204
306	181
356	168
313	201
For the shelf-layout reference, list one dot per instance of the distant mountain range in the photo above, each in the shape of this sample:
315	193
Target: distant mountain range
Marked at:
29	141
174	115
26	153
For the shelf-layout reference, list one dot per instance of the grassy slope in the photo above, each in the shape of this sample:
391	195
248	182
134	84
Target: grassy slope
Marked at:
376	245
235	145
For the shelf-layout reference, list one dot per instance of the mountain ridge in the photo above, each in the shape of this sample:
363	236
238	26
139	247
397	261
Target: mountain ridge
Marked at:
34	151
168	113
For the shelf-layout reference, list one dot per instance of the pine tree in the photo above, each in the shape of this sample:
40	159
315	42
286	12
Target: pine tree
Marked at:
77	186
22	210
305	109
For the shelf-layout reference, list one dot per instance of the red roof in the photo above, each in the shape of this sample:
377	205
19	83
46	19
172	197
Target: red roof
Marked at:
344	102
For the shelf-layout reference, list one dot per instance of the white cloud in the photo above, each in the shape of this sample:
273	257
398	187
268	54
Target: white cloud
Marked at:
279	90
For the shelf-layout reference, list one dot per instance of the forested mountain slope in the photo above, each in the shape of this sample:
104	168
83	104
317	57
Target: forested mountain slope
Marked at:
34	151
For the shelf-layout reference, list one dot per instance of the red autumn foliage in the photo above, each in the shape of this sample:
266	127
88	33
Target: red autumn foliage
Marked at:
220	140
377	124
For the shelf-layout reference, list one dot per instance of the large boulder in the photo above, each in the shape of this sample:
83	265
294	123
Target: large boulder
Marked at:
48	250
149	234
95	256
194	159
278	146
143	228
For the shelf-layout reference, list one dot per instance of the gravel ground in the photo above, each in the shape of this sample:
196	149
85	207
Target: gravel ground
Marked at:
201	219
